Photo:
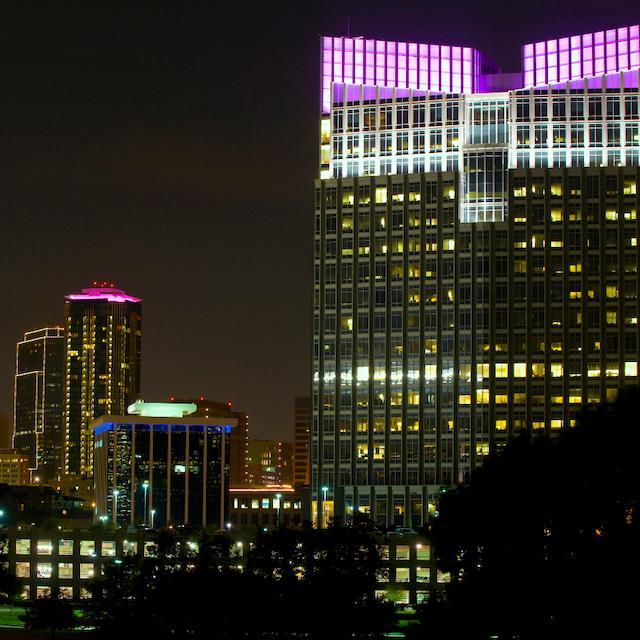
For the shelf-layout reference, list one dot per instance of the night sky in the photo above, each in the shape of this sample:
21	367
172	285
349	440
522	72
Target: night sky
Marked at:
171	148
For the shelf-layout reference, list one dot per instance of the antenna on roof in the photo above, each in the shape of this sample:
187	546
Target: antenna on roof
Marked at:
348	26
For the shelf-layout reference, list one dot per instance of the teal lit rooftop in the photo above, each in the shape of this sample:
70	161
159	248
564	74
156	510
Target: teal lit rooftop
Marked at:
162	409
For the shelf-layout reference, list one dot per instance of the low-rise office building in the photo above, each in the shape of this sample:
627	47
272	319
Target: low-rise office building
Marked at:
161	465
266	507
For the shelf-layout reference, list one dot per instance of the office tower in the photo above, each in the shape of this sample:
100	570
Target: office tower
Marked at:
301	441
270	462
475	259
38	398
239	466
162	464
102	365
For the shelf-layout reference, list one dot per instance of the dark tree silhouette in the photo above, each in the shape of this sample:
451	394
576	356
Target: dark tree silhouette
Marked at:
543	541
50	613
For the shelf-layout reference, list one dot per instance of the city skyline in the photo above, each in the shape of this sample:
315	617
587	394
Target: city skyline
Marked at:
95	167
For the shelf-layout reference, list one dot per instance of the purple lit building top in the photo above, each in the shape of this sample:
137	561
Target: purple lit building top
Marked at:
581	56
105	293
403	65
360	62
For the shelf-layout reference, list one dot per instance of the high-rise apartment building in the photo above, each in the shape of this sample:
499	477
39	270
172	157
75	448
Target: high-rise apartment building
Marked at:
476	258
38	399
301	441
102	366
239	455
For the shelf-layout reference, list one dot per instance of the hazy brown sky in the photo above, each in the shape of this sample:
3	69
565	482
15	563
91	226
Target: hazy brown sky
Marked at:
171	148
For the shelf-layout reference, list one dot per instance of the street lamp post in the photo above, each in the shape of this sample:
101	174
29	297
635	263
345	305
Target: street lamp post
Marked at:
1	517
153	513
145	487
325	490
115	506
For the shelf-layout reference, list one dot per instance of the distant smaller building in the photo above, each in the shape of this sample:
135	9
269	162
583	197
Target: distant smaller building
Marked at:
266	507
38	504
301	440
14	467
162	465
270	462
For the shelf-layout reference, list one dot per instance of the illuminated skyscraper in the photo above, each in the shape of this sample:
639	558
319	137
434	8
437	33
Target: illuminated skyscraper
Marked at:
301	441
102	366
38	432
476	258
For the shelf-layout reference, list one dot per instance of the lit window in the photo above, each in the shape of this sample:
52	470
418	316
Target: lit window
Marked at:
402	574
65	547
108	548
87	570
402	552
87	548
65	570
423	574
23	546
23	569
43	570
129	547
45	547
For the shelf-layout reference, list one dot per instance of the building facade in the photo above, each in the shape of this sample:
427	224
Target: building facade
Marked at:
239	456
102	366
14	467
270	462
475	260
38	401
266	508
161	465
302	441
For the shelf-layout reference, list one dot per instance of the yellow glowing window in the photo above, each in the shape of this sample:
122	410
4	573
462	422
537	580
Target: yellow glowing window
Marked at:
501	398
575	268
381	195
347	324
575	397
556	244
612	317
430	372
520	245
520	266
448	244
482	448
431	346
556	346
464	399
537	425
556	369
519	369
396	424
556	423
612	371
591	294
520	192
612	291
557	399
378	452
363	451
502	370
398	246
482	396
519	398
630	215
629	187
537	369
501	425
482	371
631	369
611	215
556	188
556	215
593	371
521	218
413	426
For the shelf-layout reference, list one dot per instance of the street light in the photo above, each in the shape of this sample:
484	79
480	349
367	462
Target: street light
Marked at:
1	516
325	490
153	513
145	487
115	506
279	497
